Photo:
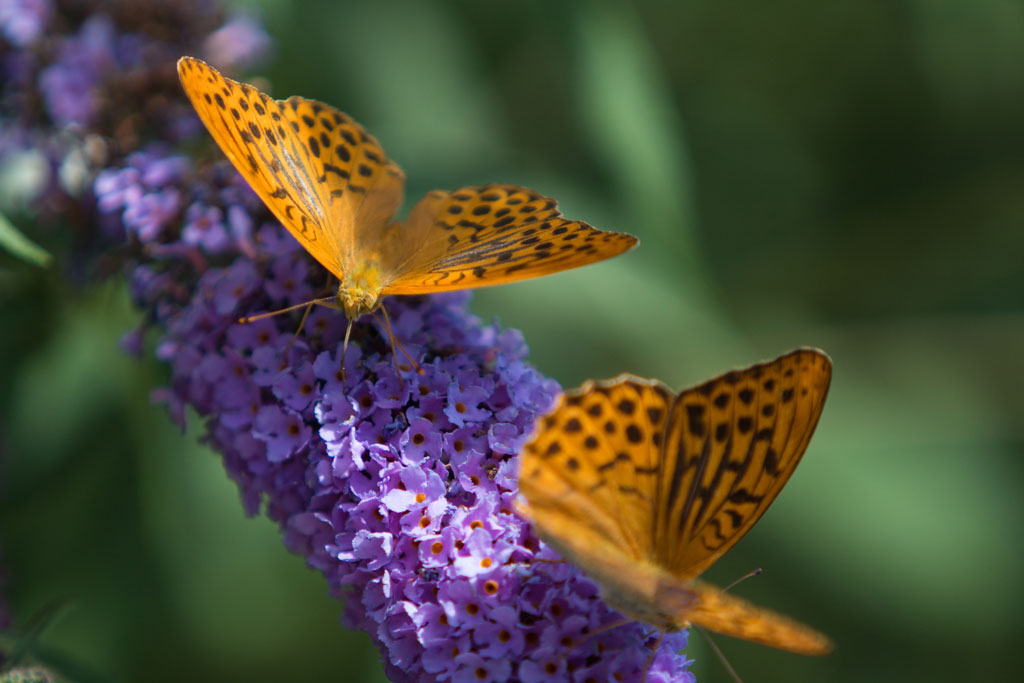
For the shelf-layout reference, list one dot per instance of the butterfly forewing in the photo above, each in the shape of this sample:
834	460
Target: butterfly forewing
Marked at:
317	170
732	616
644	490
361	185
731	445
493	234
330	183
594	464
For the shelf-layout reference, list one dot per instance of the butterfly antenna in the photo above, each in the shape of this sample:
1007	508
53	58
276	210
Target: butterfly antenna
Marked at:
751	573
270	314
650	658
397	344
718	653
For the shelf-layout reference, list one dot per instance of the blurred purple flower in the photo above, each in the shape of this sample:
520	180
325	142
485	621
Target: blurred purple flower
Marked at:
117	188
70	85
153	211
239	42
22	22
287	282
204	228
282	430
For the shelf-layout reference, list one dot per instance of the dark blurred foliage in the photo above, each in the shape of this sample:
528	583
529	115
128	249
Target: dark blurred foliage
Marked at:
846	175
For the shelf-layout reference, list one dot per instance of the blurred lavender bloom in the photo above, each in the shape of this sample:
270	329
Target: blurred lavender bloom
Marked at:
70	86
153	211
239	42
22	22
205	228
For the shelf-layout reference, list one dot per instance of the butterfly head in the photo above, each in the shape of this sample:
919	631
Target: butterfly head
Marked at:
360	290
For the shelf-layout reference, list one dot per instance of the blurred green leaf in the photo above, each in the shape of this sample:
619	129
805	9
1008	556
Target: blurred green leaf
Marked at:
15	242
26	675
27	640
27	647
633	126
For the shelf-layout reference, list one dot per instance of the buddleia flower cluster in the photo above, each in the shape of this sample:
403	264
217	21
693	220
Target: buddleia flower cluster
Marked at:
87	83
398	486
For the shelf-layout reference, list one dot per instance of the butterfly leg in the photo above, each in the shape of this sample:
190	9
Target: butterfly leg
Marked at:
718	653
302	323
395	343
650	658
394	355
344	347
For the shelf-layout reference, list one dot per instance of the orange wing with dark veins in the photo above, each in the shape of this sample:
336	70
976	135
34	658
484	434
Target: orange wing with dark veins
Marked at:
727	614
325	178
644	490
731	445
595	462
493	234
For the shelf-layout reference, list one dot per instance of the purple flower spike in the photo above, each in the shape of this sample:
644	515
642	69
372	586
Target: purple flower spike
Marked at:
399	487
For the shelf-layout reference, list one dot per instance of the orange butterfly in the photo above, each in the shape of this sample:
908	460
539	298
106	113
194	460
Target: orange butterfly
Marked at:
331	184
644	490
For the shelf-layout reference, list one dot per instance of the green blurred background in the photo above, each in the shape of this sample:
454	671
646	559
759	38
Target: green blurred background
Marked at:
848	175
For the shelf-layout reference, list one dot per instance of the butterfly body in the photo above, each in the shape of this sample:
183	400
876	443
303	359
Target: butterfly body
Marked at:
643	592
644	489
360	290
632	586
333	187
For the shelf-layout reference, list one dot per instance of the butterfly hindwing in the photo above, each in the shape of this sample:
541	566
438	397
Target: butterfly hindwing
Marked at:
723	613
731	445
311	164
493	234
595	462
644	490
